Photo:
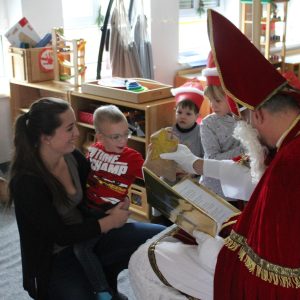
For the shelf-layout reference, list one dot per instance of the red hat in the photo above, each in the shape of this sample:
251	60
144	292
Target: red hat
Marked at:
211	72
212	78
191	90
246	75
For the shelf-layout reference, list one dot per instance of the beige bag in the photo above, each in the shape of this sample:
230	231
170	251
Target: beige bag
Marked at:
162	141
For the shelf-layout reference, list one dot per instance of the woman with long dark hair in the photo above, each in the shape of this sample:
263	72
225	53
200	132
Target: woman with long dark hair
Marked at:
47	185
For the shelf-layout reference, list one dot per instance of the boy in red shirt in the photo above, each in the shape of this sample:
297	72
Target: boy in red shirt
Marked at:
114	167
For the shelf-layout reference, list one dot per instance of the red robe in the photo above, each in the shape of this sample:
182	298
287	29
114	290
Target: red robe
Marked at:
267	229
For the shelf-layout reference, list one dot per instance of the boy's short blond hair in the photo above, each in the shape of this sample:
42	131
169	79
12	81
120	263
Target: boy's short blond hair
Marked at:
107	113
214	92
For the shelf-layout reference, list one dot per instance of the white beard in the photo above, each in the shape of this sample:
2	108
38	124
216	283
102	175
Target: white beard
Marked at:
249	138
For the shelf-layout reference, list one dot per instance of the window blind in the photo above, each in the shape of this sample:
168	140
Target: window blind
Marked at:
190	4
186	4
209	3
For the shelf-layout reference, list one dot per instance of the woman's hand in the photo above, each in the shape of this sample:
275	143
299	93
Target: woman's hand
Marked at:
117	217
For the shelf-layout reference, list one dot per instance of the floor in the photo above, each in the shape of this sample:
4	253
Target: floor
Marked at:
10	259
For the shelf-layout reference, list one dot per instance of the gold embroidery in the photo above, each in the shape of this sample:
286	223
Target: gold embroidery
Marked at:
152	259
272	273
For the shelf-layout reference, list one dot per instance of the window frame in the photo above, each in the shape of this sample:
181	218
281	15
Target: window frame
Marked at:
192	55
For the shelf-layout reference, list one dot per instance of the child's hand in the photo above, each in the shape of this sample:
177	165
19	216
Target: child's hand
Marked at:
148	154
117	217
126	203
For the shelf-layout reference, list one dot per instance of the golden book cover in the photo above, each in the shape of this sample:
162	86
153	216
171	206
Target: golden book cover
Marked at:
188	204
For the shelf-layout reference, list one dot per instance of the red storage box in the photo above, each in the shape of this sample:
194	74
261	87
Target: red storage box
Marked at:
85	117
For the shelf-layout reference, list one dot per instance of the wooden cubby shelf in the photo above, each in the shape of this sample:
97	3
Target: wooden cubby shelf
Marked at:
156	115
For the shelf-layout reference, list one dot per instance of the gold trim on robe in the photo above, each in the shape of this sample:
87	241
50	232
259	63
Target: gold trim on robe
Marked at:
265	270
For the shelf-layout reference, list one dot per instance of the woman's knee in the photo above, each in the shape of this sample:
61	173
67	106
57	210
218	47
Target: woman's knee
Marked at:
144	231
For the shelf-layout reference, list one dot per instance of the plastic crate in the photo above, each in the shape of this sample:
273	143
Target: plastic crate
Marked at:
85	117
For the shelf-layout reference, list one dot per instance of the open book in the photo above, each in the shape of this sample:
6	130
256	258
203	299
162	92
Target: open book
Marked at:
188	204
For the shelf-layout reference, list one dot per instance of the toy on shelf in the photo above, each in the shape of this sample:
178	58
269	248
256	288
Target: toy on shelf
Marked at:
69	58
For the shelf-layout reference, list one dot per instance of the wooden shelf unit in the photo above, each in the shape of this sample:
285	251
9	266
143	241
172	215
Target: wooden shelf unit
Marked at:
23	94
157	114
268	36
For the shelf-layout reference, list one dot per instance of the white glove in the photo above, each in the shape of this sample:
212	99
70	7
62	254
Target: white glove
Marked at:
208	250
183	156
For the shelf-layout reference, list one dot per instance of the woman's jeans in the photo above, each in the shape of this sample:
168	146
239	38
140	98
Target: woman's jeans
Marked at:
68	279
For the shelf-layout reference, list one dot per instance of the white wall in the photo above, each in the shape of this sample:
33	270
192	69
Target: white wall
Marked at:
42	15
3	15
164	38
12	13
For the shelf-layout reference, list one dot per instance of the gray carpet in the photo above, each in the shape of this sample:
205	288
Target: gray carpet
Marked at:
10	259
10	262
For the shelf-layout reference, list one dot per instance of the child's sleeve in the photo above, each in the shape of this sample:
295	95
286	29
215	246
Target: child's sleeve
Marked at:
212	147
137	162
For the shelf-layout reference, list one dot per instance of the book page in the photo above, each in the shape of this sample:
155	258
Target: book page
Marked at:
201	198
175	207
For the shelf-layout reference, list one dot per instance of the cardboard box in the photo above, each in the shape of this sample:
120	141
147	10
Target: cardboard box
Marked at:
22	32
155	91
33	64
